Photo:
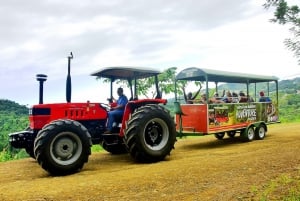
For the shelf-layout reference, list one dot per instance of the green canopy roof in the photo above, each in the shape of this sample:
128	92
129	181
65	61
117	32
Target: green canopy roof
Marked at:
126	72
201	74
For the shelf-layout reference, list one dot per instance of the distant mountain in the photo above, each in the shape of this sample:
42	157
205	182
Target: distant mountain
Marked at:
290	86
285	86
7	106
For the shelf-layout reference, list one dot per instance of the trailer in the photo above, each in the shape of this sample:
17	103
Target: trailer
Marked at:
249	118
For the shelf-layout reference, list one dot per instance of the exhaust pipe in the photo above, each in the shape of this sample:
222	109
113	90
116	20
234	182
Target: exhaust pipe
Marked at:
68	84
41	78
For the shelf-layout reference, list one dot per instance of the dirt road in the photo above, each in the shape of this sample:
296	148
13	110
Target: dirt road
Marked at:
201	168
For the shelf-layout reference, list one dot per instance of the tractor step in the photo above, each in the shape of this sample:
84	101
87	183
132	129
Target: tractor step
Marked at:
111	139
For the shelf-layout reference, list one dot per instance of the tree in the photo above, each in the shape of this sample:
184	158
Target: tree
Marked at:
287	14
166	83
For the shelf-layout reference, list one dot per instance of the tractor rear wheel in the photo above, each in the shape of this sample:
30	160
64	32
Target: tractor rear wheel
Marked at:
150	135
62	147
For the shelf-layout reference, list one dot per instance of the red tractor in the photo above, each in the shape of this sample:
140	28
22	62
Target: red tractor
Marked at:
60	135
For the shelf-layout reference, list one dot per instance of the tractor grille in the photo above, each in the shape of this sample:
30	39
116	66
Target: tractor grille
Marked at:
74	113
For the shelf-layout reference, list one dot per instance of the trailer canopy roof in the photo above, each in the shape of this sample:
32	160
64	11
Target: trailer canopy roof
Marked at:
125	72
201	74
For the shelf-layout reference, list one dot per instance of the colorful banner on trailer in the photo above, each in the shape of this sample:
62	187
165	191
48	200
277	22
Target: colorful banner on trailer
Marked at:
235	114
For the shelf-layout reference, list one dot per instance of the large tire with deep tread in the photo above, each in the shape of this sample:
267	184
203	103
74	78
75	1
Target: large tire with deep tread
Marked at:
62	147
150	134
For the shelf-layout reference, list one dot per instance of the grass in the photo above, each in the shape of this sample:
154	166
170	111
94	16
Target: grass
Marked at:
285	187
97	148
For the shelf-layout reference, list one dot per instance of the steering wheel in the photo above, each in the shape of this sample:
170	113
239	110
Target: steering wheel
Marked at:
106	106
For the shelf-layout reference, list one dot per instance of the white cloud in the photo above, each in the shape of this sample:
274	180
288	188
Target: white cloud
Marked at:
38	36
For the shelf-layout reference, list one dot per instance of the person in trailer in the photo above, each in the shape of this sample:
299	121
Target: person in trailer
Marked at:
263	98
189	98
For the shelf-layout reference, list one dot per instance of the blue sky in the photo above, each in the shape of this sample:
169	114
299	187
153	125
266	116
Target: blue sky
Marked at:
37	36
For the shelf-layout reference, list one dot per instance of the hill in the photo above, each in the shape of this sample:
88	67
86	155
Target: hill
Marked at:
8	107
291	86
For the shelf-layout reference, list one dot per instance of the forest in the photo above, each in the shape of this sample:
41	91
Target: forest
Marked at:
14	117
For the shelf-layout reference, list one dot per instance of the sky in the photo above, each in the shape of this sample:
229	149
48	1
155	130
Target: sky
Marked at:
37	37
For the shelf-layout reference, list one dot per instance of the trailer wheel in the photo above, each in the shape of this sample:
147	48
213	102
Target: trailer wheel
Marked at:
248	134
150	134
62	147
219	136
231	133
260	132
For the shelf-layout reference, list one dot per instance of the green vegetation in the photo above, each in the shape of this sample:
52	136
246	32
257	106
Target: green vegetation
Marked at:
287	14
285	185
13	117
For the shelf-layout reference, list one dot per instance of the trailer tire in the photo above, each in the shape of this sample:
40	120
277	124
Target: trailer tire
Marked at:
248	134
231	134
220	136
62	147
260	132
150	134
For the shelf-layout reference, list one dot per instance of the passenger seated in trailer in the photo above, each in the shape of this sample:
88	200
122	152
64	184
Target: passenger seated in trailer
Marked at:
203	99
263	98
215	99
228	97
189	98
235	97
242	97
216	95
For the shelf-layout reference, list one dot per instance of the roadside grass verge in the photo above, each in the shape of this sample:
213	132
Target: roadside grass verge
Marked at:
285	187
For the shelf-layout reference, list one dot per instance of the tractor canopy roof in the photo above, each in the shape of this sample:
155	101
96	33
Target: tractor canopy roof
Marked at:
209	75
126	72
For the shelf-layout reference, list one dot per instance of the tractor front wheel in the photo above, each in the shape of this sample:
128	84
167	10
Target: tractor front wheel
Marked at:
62	147
150	135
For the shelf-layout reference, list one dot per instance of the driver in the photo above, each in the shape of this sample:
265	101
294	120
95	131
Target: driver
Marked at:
117	111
